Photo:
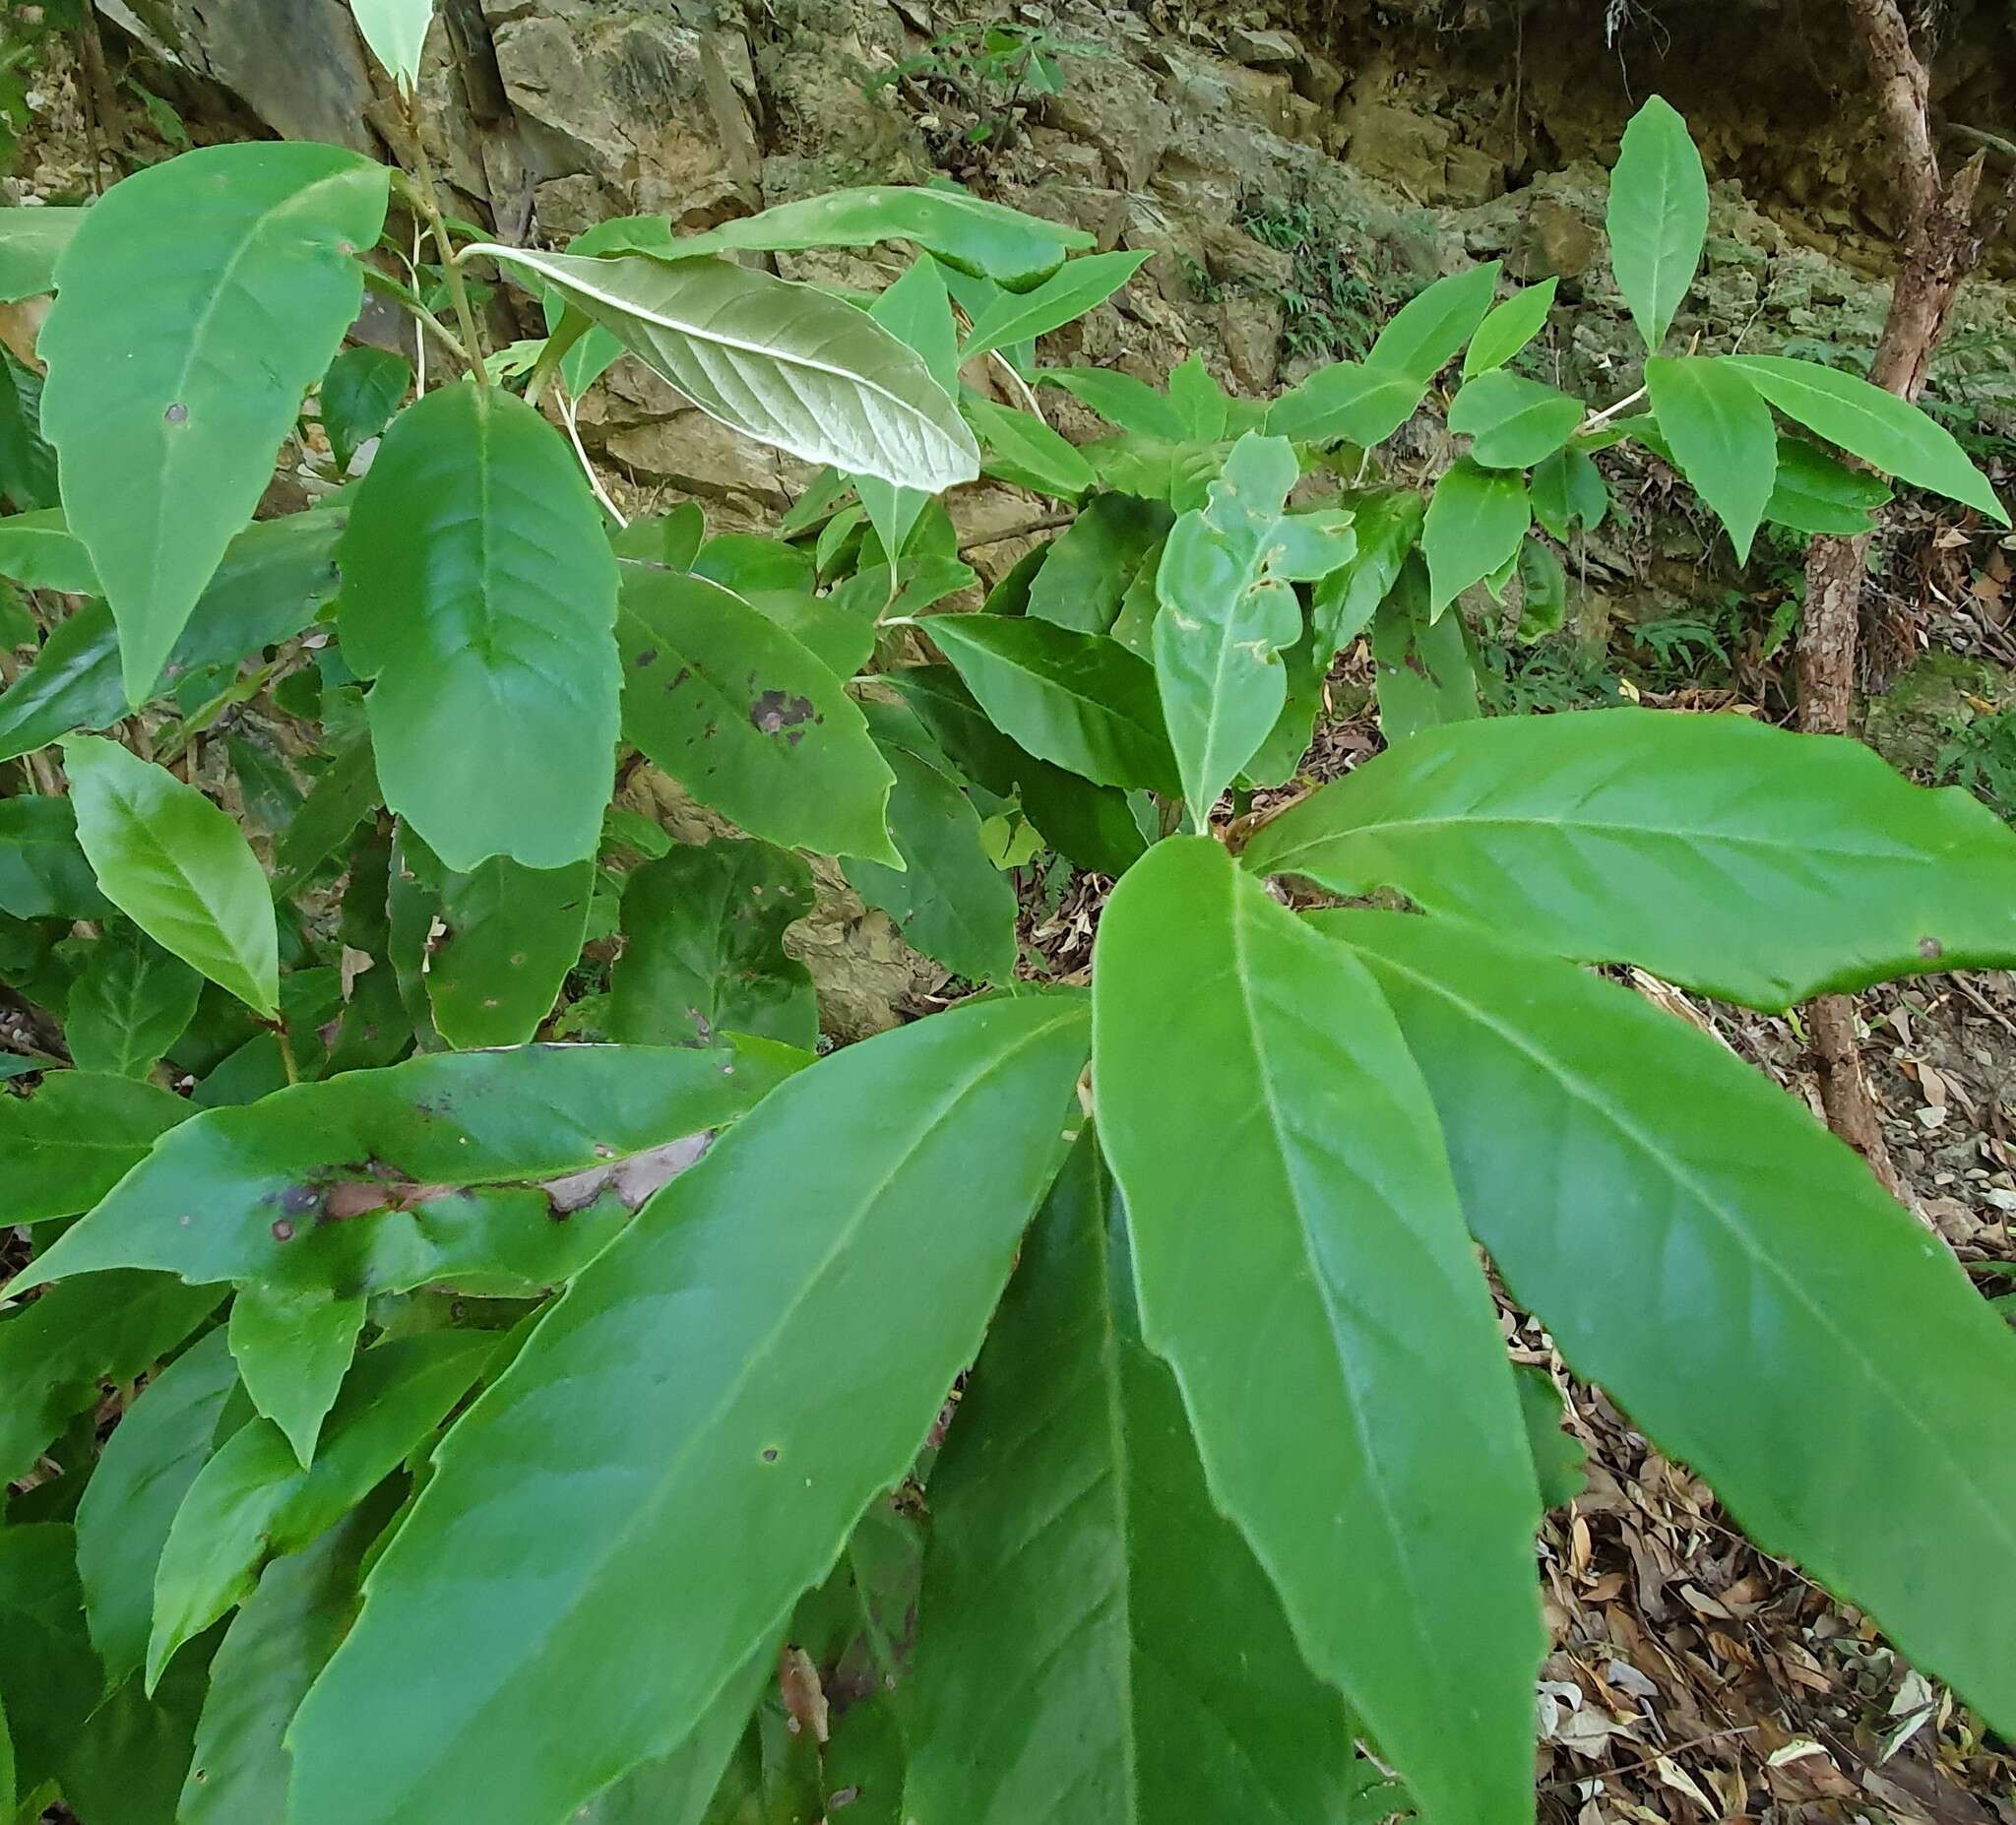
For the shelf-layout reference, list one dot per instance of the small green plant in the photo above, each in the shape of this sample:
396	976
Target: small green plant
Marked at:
1330	303
989	71
506	1431
1980	754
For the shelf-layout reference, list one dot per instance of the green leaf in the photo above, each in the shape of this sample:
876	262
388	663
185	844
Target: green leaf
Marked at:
1813	493
39	552
1879	427
10	1794
198	300
1509	328
178	867
1093	825
31	240
1228	607
969	235
1027	452
1568	488
1079	286
1164	1682
1387	526
275	576
635	1512
56	1351
782	363
703	1781
50	1679
673	538
141	1476
1200	400
359	1167
1543	584
917	311
702	948
1861	1397
344	795
1429	330
1475	521
746	720
1722	438
1750	863
281	1638
1080	701
949	901
1423	671
128	1005
1516	422
44	871
1091	562
1658	217
1133	405
494	715
397	33
62	1148
28	465
363	388
293	1350
511	935
253	1500
1346	402
1559	1461
1337	1346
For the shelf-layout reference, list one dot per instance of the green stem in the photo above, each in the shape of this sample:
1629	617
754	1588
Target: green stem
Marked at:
408	301
437	221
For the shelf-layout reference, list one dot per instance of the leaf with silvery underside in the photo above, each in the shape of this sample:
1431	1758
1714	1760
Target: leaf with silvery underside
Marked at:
397	33
165	430
779	362
633	1514
1229	607
274	1190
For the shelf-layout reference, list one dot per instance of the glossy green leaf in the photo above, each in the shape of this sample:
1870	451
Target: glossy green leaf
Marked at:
1747	863
1027	452
511	935
55	1351
702	948
627	1460
1558	1458
178	867
1658	217
1509	328
1093	825
62	1148
1131	404
1228	607
1101	1646
1081	701
1337	1346
1091	562
1641	1188
965	232
344	793
344	1185
281	1638
1423	673
128	1005
1569	489
39	552
1476	518
198	301
779	362
254	1500
705	1781
293	1350
142	1475
31	240
28	465
1722	438
917	311
127	1765
1516	422
275	576
948	902
43	870
1077	287
746	720
363	388
1813	493
50	1679
1348	402
1429	331
1386	524
1877	426
494	714
397	33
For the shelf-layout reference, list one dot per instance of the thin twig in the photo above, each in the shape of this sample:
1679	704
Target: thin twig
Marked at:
594	481
1596	419
1050	522
437	220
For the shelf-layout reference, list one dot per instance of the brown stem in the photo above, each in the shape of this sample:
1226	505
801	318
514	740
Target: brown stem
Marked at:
437	221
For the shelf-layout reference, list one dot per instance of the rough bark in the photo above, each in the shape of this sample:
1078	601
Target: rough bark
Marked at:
1943	244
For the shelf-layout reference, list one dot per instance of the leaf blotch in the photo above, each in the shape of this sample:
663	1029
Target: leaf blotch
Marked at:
776	714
